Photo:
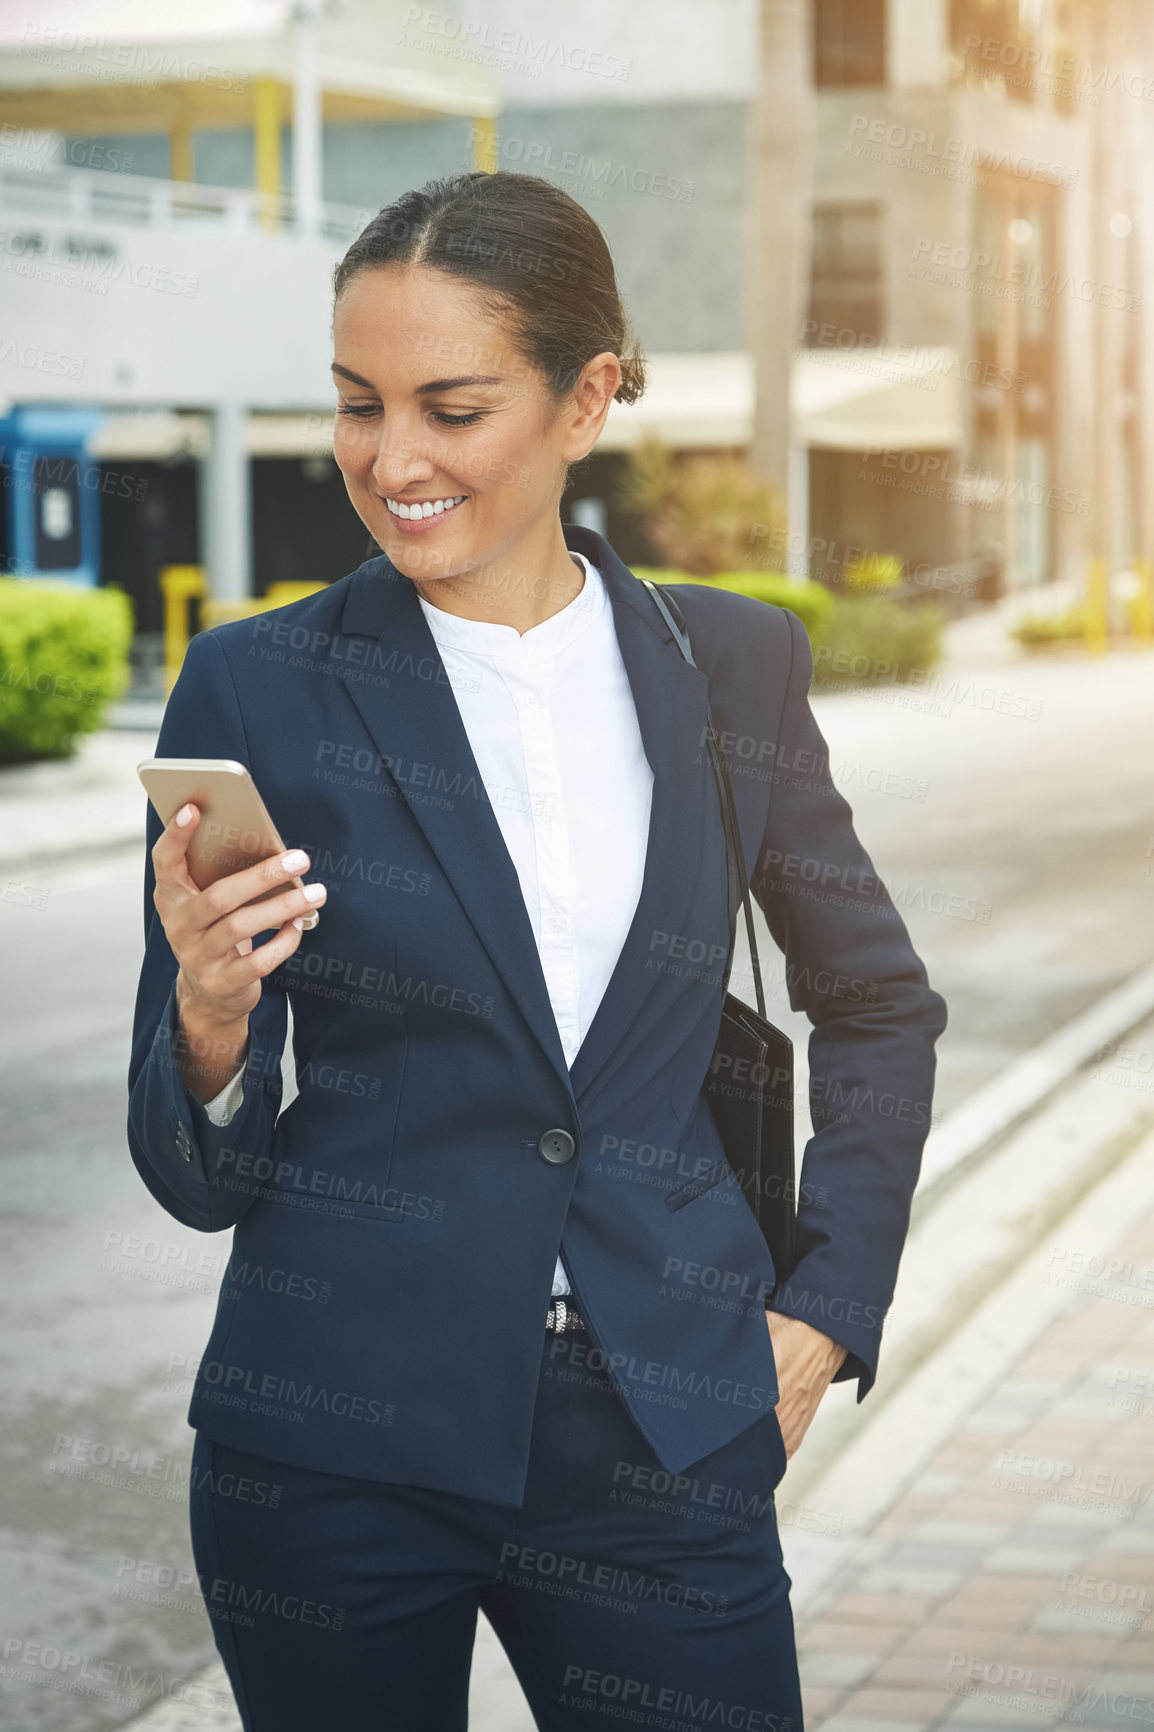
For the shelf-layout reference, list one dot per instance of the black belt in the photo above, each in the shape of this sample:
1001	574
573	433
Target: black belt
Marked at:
562	1317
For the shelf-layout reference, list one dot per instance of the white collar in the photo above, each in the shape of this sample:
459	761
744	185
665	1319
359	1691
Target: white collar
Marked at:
488	638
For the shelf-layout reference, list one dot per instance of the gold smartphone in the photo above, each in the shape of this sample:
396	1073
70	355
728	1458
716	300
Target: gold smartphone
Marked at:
235	829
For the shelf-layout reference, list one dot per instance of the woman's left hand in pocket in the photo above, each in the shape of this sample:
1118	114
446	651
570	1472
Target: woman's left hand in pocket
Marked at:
806	1363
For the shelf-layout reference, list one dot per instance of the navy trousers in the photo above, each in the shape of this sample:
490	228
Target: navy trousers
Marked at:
620	1593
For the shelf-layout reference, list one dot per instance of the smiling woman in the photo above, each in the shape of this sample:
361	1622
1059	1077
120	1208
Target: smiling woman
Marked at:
519	1345
511	283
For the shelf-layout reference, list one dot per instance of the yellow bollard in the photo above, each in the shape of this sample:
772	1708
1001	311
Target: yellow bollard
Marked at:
284	590
178	585
1142	605
485	143
1097	606
214	612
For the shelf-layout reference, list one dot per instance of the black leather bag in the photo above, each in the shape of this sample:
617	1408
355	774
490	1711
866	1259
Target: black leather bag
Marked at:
749	1085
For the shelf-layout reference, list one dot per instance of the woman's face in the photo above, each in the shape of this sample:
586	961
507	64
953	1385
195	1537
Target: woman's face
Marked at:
452	452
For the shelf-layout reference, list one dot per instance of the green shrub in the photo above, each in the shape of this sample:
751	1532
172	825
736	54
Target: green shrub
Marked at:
63	660
812	604
857	640
710	510
875	571
1039	630
874	640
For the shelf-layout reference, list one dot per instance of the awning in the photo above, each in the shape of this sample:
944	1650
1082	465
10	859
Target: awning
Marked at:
901	399
159	436
141	66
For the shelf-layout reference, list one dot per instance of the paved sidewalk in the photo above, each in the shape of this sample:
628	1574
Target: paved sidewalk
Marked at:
90	803
1012	1584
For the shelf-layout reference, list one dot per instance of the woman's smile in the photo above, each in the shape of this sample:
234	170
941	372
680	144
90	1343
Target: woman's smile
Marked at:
415	516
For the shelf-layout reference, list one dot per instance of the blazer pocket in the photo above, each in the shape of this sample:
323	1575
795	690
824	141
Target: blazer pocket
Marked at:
378	1212
411	1207
697	1187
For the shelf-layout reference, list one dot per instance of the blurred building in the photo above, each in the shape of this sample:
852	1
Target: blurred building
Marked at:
968	390
977	193
174	193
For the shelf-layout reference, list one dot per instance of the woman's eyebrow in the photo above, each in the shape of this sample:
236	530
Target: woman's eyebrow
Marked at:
345	373
433	385
464	379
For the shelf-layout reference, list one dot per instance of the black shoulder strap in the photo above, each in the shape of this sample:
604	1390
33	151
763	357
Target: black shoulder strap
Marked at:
738	882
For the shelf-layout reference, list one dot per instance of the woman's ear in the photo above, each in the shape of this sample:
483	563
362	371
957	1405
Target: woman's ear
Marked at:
592	394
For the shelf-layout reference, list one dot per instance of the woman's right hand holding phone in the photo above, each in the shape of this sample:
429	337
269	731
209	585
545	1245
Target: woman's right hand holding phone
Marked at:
210	932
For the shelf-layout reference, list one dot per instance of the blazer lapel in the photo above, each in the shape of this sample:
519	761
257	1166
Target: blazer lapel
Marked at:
671	700
403	695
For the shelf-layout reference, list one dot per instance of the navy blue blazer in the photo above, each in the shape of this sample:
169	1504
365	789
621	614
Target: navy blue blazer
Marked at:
397	1224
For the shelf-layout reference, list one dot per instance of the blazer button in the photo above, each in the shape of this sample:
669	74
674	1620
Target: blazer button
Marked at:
557	1147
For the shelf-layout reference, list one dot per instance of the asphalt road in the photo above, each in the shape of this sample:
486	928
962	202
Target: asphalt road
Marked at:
1016	830
101	1291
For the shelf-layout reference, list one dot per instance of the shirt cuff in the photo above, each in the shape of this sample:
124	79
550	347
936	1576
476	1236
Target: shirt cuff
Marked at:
222	1106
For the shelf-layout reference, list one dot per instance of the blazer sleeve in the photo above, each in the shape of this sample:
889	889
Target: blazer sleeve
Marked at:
850	966
187	1161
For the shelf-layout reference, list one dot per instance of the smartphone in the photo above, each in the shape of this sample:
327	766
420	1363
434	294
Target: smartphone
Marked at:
235	829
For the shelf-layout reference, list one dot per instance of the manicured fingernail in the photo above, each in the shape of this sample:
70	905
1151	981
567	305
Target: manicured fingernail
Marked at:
295	860
299	923
184	816
315	892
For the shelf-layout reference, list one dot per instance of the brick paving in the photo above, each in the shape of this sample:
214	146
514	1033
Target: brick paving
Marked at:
1012	1585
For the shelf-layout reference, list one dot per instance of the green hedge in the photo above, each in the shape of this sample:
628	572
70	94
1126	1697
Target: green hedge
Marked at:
1040	630
812	604
63	661
856	639
874	640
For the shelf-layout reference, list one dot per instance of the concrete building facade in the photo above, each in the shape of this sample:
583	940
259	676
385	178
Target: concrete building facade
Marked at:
969	385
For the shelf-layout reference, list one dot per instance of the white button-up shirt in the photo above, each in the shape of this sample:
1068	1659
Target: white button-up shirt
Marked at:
553	727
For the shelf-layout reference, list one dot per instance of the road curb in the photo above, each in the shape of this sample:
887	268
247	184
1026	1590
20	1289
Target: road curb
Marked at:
1002	1103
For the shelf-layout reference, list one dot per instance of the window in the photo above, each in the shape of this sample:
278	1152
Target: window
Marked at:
849	42
846	281
992	42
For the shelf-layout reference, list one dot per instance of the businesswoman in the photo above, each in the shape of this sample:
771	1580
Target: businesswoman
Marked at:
499	1329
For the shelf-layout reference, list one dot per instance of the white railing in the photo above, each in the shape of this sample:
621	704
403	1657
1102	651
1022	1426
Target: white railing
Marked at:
99	196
